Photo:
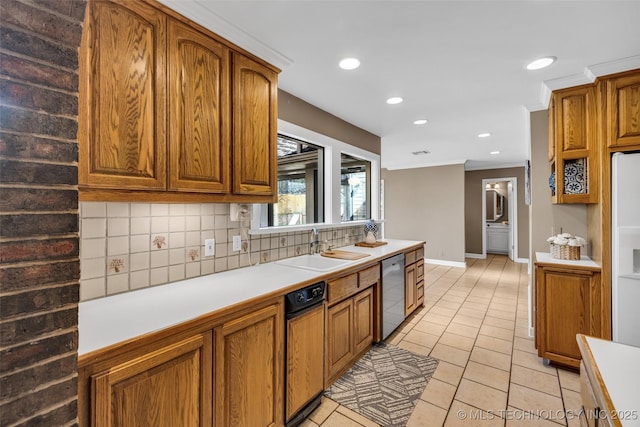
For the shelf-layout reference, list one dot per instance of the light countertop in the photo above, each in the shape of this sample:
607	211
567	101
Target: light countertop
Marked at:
107	321
584	261
619	367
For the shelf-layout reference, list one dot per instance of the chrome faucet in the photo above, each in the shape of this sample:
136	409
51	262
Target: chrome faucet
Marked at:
314	244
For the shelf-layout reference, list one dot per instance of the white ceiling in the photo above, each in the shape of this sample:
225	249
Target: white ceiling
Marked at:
459	64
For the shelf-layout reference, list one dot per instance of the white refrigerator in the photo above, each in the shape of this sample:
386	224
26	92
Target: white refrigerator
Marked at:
625	247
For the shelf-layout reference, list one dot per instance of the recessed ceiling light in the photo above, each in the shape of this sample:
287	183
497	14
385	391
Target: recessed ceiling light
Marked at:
541	63
494	152
394	100
349	63
484	135
420	122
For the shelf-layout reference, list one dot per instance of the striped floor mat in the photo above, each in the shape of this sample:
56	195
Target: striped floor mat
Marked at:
385	384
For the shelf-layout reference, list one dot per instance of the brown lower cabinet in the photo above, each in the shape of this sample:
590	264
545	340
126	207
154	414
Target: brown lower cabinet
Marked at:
228	368
569	300
413	280
350	328
249	369
167	387
168	379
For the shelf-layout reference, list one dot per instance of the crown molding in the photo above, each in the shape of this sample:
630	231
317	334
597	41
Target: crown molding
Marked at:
589	75
202	14
613	67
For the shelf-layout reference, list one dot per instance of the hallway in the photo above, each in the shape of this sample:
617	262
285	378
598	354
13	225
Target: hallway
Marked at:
475	323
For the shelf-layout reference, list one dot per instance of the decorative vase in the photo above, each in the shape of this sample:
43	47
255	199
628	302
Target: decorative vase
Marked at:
370	237
370	231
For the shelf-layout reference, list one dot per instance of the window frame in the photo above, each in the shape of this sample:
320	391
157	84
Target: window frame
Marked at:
333	149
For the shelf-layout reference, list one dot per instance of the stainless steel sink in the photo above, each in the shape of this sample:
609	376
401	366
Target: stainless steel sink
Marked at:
314	262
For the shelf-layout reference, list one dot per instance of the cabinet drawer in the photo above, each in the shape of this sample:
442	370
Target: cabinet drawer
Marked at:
409	257
368	276
341	288
420	269
420	253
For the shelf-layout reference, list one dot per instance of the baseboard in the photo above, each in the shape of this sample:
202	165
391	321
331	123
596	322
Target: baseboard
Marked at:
522	260
476	256
447	263
531	332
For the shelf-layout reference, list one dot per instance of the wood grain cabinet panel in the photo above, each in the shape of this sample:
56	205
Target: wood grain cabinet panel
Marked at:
363	320
171	112
568	301
413	281
623	110
249	369
340	347
351	319
199	122
410	296
574	137
254	127
168	387
122	118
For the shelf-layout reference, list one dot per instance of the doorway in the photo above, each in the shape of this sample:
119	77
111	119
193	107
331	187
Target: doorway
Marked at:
500	216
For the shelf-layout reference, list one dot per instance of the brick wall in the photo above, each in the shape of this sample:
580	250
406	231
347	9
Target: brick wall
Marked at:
39	250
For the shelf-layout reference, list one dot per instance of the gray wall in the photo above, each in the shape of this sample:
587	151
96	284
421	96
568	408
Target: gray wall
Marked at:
427	204
473	208
295	110
545	215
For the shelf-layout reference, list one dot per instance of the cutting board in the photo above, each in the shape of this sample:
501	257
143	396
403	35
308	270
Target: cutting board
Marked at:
336	253
370	245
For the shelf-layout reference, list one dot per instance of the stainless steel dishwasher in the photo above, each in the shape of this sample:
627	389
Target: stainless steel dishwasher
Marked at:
392	294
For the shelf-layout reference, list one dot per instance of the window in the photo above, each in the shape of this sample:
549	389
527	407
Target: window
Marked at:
355	188
321	181
300	184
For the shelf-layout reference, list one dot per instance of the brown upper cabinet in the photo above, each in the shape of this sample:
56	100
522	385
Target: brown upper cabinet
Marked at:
255	127
123	97
623	110
171	112
573	141
199	125
586	121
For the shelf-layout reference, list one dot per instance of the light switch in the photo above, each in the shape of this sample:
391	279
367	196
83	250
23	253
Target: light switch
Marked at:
209	247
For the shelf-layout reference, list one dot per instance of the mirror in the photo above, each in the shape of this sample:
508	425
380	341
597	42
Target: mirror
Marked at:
495	205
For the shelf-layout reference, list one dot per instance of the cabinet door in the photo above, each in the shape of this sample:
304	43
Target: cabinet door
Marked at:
199	126
409	289
363	320
576	148
339	338
122	118
168	387
305	359
249	359
623	106
551	147
566	306
254	127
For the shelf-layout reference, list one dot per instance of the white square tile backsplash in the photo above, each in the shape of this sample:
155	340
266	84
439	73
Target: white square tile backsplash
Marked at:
129	246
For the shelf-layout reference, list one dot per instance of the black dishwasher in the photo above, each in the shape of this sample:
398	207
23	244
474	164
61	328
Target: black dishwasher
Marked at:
304	372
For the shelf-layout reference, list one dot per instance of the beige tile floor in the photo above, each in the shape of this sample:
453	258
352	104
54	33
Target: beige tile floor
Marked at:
475	323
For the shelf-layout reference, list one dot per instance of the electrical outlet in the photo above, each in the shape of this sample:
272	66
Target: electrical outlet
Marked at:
209	247
237	244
